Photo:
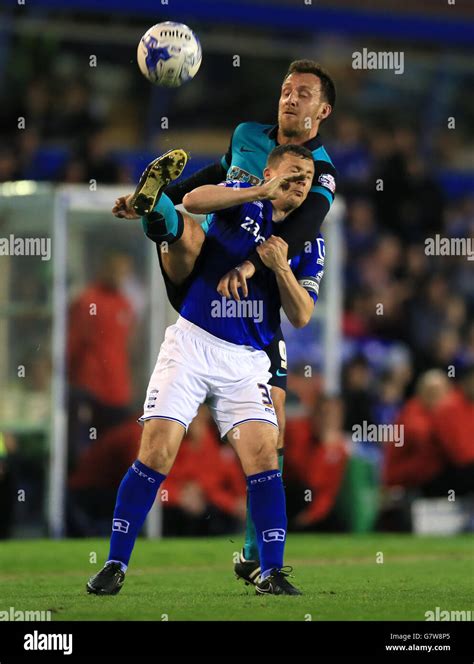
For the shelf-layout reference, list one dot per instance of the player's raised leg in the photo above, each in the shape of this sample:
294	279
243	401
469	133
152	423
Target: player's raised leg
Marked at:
255	443
135	497
178	236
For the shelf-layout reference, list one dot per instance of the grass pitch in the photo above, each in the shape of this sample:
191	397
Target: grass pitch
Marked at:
192	579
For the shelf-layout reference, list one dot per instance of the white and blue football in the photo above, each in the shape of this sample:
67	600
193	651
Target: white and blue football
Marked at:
169	54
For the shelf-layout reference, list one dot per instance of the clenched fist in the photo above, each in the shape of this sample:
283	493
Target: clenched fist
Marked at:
274	254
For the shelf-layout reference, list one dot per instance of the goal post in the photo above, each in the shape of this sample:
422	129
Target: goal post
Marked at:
81	200
334	292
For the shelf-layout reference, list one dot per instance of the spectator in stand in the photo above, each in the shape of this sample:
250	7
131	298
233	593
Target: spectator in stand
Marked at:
427	314
411	202
458	218
205	493
10	167
357	395
438	451
418	460
315	462
94	161
389	398
74	171
454	438
101	325
100	165
416	266
446	348
357	314
38	107
350	152
77	116
469	346
361	228
423	203
388	168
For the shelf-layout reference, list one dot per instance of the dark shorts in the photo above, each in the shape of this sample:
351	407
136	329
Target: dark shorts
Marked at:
176	294
276	349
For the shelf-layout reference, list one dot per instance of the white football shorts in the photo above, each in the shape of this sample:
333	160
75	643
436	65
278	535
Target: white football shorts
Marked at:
194	367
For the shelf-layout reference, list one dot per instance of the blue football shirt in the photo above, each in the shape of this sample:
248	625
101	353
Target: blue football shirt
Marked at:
233	234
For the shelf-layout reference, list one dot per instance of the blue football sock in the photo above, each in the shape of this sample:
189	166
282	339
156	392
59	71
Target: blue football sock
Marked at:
164	223
251	544
135	498
268	510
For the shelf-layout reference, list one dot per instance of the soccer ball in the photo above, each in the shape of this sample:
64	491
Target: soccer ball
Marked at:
169	54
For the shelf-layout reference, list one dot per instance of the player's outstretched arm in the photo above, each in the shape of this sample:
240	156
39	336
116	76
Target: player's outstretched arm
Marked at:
211	198
212	174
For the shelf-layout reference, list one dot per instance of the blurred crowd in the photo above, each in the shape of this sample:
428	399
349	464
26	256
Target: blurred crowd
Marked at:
408	330
63	142
408	327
